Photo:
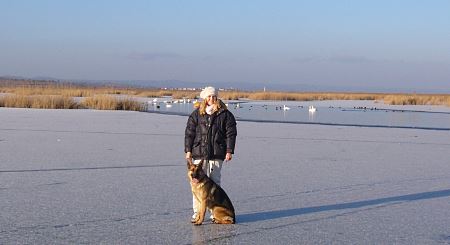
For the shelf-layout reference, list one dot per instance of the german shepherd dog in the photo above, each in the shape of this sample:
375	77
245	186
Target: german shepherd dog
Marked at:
209	195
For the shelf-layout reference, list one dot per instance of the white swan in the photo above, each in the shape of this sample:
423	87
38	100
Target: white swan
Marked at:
312	108
286	108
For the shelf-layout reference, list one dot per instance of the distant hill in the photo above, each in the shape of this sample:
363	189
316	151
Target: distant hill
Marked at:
249	86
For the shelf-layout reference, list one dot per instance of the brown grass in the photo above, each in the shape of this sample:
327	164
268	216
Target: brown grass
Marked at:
70	91
160	93
65	89
106	102
39	102
391	99
101	102
311	96
417	99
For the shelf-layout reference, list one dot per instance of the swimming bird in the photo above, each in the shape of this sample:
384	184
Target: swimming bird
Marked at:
286	108
312	108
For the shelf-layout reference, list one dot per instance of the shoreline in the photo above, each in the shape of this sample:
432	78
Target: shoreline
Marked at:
272	121
313	123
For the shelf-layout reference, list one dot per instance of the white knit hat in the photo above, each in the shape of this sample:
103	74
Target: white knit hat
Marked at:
207	92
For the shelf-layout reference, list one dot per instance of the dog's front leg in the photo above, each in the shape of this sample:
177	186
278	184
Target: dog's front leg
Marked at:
201	213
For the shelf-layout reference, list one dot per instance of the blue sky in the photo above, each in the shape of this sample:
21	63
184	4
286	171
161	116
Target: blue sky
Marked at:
378	44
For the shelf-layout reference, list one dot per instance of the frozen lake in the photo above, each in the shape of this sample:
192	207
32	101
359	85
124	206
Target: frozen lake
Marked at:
118	177
352	113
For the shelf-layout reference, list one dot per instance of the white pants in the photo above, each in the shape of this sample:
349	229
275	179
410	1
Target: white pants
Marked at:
212	169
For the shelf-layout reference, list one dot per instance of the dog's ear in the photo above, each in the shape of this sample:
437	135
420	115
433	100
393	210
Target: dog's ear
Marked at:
201	163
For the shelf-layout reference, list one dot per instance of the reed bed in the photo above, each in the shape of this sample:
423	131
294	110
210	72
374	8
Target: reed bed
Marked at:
39	102
291	96
106	102
417	99
391	99
70	91
101	102
151	93
64	89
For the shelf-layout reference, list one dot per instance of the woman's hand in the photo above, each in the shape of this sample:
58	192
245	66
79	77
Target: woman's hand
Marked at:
188	155
228	157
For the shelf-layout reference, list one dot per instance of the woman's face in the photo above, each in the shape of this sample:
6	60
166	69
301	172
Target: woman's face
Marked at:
211	99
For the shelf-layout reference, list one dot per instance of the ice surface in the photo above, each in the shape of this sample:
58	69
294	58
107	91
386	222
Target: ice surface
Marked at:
115	177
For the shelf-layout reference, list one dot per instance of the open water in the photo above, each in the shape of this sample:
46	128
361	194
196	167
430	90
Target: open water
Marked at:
346	113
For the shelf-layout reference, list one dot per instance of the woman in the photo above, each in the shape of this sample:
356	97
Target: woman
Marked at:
210	135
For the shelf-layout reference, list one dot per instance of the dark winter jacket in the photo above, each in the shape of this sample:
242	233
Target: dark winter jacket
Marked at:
210	136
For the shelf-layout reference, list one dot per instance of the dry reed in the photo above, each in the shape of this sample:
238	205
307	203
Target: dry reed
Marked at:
39	102
106	102
102	102
414	99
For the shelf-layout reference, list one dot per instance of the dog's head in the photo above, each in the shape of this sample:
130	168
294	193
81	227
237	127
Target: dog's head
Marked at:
195	171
